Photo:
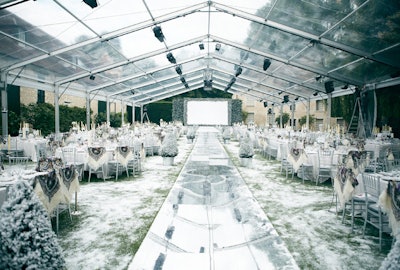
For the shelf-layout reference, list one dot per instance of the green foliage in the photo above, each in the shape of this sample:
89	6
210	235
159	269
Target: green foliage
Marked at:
14	121
177	109
303	120
115	119
236	113
42	116
156	111
285	119
343	107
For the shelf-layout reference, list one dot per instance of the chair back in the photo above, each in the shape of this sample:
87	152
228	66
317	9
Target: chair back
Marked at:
97	156
372	186
325	157
40	149
68	155
393	164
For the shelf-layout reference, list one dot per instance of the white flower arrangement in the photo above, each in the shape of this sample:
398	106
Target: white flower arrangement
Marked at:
246	149
169	146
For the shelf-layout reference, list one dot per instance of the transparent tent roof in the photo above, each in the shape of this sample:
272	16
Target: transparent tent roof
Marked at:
281	47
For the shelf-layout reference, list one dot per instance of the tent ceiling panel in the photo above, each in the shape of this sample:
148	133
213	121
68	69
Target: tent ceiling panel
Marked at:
306	43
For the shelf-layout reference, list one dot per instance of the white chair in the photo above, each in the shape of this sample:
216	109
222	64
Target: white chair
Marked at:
373	213
97	159
69	158
122	154
324	165
285	164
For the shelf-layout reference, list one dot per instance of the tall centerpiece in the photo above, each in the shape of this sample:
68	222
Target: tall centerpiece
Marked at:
169	148
246	152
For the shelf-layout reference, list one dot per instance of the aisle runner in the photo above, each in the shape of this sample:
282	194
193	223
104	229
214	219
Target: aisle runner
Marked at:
210	220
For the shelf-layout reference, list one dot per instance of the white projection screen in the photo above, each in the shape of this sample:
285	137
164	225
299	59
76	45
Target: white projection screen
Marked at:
207	112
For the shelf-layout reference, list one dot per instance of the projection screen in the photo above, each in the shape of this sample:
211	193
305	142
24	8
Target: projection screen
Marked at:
207	112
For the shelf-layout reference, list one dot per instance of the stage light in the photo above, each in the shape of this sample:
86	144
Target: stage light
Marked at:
318	78
315	94
158	33
345	86
201	46
280	93
183	80
92	77
217	47
186	85
297	98
178	69
265	104
91	3
171	58
238	71
285	98
266	64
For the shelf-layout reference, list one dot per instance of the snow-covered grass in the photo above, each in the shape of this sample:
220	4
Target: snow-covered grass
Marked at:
115	217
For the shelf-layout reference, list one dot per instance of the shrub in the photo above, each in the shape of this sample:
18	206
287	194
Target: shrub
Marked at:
27	240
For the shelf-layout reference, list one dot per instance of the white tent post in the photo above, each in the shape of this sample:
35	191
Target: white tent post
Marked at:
108	111
328	112
4	105
88	110
133	113
308	114
57	110
281	117
122	113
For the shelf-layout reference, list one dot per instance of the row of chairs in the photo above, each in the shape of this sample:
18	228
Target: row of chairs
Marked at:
368	206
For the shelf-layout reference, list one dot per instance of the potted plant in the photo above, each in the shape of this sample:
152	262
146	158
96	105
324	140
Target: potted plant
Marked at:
246	152
169	149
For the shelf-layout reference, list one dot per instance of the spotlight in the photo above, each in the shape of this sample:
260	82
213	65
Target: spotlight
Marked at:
92	77
217	47
183	80
318	78
267	63
178	69
280	93
315	94
207	84
186	85
297	98
285	98
265	104
91	3
171	58
201	46
158	33
132	92
238	71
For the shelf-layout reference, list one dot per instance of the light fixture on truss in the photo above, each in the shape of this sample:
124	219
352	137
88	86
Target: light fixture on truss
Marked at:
207	77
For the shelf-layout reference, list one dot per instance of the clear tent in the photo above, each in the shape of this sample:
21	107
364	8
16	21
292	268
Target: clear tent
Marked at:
281	47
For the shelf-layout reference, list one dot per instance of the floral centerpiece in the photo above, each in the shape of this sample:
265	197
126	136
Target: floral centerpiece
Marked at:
191	134
226	134
169	148
246	151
